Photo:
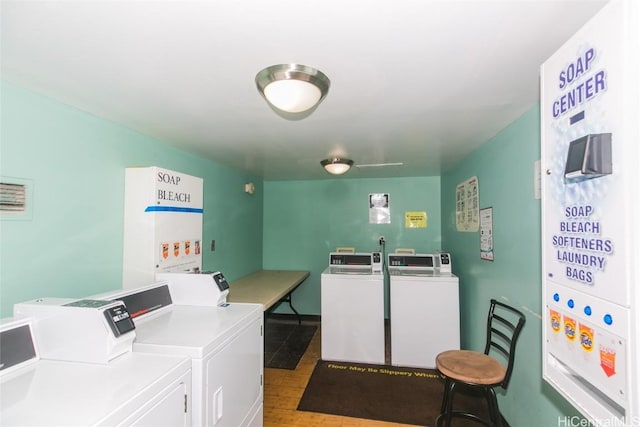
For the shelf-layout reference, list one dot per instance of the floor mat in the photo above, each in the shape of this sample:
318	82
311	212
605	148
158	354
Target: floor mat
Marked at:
285	343
381	392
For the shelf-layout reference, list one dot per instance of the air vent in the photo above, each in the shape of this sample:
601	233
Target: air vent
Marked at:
12	198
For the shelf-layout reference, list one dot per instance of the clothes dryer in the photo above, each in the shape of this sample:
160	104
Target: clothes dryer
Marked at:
129	389
223	340
352	309
424	310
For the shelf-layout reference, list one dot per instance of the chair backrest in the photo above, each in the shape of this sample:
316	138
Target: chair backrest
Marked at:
504	324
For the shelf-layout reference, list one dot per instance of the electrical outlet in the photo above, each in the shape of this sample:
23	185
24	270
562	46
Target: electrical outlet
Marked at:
213	245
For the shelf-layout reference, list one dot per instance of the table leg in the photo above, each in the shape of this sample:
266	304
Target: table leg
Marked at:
288	299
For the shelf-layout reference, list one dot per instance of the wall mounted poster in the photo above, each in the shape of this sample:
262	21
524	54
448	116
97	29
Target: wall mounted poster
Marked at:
379	208
468	205
486	234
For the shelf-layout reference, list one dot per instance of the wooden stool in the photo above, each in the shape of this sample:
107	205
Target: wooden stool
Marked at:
481	371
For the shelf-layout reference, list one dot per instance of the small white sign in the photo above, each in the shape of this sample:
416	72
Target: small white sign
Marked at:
486	234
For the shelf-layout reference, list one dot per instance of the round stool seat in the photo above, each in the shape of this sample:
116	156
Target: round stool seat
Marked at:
470	367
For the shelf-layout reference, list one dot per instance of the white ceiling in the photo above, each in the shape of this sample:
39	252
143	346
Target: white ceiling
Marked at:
414	81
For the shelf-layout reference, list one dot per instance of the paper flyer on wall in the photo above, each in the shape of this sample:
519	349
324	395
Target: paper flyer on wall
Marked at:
468	205
486	234
379	212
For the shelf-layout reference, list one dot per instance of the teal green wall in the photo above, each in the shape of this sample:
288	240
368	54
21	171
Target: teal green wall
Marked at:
308	219
505	170
72	245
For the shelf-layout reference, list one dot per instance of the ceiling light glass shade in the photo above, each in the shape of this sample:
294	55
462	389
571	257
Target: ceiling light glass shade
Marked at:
293	96
292	88
336	165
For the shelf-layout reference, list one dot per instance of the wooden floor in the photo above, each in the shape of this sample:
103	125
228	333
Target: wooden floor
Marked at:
283	389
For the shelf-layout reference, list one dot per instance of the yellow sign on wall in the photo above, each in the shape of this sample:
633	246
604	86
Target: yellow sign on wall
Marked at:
415	219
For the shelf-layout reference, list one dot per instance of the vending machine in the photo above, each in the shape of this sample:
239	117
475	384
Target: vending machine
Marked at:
590	217
162	224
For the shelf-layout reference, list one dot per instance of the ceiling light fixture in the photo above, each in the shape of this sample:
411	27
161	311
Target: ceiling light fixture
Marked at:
337	165
293	88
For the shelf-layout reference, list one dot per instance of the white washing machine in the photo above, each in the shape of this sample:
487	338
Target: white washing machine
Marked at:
352	308
129	389
188	315
424	309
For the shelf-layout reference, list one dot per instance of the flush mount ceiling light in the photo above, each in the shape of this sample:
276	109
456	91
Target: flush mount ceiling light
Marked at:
292	88
337	165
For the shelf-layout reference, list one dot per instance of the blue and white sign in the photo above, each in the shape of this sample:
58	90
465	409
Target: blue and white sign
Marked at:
590	96
586	165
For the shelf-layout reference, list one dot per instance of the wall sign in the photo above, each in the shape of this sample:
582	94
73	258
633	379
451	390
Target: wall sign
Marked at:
379	212
486	234
415	219
468	205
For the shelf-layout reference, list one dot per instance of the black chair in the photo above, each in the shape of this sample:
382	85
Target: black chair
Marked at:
482	372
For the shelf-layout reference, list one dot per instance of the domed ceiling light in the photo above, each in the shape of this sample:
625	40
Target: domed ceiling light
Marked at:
293	88
337	165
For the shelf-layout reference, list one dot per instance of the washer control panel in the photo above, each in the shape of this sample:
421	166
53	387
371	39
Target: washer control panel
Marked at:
443	262
417	261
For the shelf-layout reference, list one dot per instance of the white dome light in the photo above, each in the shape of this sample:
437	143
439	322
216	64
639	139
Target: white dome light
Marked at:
337	165
292	88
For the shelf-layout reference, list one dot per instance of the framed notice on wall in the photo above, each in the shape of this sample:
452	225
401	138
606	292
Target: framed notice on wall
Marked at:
486	234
